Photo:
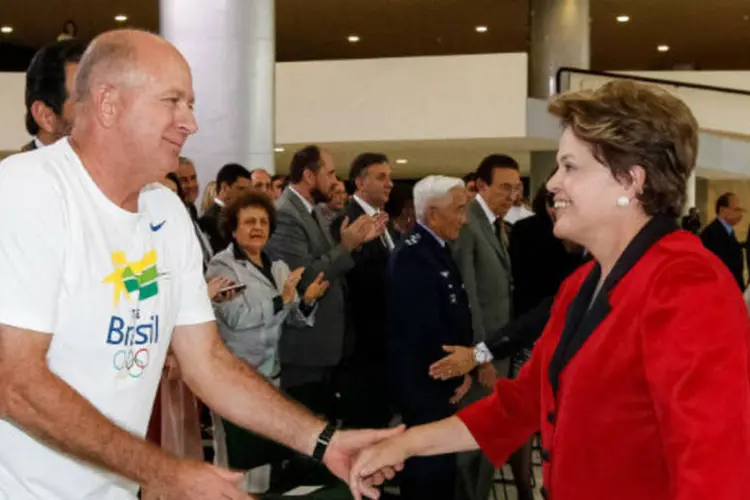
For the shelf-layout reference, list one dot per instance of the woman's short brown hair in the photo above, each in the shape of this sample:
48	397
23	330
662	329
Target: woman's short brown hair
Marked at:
231	213
627	123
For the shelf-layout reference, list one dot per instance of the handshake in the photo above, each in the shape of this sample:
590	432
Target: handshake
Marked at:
365	459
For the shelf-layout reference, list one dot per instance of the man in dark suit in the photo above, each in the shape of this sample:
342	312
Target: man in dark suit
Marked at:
427	309
310	356
719	236
482	255
369	404
231	181
50	82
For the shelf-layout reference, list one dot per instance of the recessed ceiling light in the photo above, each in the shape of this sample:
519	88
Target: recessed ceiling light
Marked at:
663	48
481	29
402	161
623	19
121	18
279	150
6	29
353	38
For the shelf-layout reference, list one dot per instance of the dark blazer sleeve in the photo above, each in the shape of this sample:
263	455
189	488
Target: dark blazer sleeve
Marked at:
209	224
521	333
415	335
289	243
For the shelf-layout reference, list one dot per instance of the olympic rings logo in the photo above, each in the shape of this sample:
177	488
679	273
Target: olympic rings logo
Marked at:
131	363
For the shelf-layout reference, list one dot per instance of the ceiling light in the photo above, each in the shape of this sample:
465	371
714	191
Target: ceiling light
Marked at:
6	29
663	48
121	18
623	19
279	150
402	161
481	29
353	38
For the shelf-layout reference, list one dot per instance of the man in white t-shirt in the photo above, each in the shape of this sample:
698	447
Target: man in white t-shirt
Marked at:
102	273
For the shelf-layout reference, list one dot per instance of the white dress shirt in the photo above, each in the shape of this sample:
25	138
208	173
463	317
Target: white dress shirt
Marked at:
489	213
372	211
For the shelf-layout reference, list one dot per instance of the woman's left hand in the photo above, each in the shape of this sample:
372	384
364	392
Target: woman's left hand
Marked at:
315	290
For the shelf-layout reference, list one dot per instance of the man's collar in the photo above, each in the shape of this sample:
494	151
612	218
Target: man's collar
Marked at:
726	225
486	209
304	201
369	209
437	238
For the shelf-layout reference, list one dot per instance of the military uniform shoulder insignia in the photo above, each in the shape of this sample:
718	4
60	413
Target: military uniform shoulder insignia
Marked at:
412	240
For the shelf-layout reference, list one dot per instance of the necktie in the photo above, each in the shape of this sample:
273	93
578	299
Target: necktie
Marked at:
501	233
385	238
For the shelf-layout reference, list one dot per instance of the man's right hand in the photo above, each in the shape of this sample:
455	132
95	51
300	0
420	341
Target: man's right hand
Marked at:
362	230
459	362
197	481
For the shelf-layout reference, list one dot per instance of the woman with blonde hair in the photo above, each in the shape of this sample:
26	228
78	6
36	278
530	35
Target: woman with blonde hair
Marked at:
209	195
640	383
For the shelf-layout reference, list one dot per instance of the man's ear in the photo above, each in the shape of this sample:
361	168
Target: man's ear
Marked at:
43	116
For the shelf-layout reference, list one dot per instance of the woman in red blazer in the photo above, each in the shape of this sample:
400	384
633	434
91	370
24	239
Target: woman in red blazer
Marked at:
640	383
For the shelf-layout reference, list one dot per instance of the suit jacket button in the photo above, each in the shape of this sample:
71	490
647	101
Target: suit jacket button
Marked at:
551	417
545	455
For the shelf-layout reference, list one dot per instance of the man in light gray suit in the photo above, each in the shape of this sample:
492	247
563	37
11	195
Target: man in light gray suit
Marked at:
481	253
310	355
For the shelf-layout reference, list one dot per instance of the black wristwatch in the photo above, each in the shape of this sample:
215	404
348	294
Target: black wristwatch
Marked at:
324	439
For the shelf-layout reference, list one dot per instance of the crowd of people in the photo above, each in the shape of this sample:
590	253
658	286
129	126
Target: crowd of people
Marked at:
446	319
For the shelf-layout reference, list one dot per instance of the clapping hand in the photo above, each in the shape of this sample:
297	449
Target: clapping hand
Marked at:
290	285
315	290
365	228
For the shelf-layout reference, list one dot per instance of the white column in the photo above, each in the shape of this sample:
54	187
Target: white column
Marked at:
560	36
230	46
690	198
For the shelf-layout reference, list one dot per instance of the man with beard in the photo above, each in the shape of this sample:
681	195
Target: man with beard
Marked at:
310	356
50	80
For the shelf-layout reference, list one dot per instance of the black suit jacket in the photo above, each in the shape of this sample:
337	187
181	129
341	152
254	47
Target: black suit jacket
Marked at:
725	246
366	291
209	223
427	309
539	262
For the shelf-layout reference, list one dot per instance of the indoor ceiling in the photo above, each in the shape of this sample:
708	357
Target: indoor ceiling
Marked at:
703	34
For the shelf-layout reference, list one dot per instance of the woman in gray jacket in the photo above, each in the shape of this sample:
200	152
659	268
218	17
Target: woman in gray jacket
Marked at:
250	324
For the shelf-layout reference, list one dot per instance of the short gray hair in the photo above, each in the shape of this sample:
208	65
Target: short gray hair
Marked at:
432	189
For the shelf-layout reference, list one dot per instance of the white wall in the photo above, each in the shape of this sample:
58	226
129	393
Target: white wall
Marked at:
414	98
12	111
715	111
423	98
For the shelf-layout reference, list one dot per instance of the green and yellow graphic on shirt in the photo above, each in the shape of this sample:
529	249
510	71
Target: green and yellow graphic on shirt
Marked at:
137	276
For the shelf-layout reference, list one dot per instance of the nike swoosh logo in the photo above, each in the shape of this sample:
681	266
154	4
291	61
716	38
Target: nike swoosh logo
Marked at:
156	227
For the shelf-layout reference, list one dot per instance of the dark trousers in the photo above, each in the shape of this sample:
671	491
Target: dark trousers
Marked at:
432	478
316	388
366	396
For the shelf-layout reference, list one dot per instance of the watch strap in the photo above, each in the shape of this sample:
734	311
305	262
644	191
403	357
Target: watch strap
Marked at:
324	439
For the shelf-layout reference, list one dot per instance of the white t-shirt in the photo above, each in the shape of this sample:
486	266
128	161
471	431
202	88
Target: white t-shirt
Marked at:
109	286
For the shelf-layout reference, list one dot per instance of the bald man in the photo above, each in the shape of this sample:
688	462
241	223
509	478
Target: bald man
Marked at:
261	181
103	274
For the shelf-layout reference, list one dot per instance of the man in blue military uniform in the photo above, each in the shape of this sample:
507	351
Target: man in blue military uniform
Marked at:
427	309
